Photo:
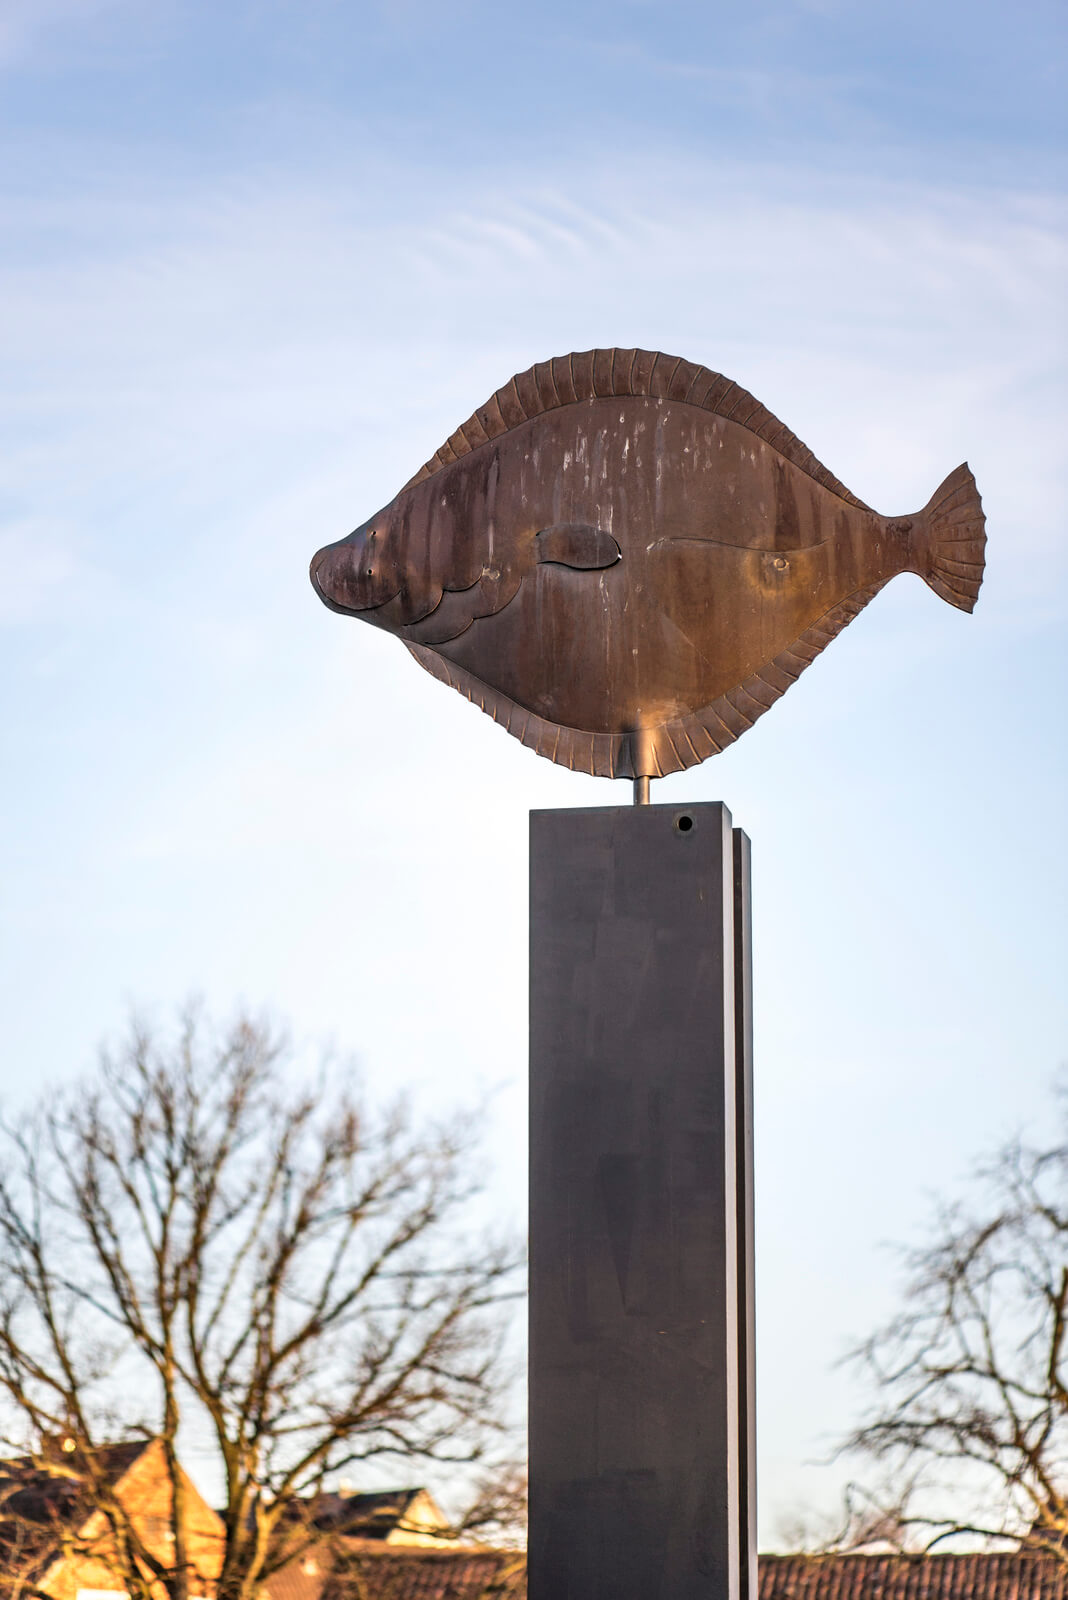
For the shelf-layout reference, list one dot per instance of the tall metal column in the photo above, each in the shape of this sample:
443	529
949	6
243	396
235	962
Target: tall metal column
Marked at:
743	1082
641	1459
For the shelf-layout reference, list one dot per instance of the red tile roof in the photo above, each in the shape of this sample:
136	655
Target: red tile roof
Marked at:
395	1574
501	1575
1006	1575
441	1575
302	1579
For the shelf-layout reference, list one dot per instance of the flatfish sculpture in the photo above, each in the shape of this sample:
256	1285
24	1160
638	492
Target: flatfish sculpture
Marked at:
625	559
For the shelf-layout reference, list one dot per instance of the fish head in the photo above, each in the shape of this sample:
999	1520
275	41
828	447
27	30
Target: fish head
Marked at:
362	571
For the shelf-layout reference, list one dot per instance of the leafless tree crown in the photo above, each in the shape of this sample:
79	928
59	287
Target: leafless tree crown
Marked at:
969	1420
193	1241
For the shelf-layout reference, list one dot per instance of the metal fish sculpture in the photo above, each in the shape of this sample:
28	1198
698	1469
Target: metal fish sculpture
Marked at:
625	559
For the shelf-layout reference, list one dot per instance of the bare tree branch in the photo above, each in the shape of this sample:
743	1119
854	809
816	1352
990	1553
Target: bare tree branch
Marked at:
193	1241
969	1418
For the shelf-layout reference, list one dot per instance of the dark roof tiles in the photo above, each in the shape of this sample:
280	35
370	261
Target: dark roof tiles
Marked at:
371	1514
442	1576
391	1574
1004	1575
500	1575
32	1492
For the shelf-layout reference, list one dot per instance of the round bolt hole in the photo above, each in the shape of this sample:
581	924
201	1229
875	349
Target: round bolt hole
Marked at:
683	824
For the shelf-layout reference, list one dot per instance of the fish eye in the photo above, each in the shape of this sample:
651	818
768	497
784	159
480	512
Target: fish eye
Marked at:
782	563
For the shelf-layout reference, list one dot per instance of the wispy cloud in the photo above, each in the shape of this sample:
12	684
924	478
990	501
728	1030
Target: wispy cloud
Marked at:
28	27
199	330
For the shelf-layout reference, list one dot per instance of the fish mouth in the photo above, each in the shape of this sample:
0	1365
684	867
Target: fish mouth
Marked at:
313	570
318	561
337	580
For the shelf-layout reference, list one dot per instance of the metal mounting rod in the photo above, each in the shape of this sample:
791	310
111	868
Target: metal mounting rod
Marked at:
641	791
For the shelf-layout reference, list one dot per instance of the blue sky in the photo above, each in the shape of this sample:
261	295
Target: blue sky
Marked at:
256	262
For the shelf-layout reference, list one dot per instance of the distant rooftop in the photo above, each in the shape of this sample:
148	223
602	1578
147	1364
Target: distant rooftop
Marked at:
390	1573
396	1574
43	1496
396	1516
1001	1575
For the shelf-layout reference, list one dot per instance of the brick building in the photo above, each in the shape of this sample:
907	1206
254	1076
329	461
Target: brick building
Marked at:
53	1540
393	1546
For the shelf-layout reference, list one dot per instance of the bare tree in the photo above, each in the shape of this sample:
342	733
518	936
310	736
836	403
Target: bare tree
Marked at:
194	1241
498	1512
969	1422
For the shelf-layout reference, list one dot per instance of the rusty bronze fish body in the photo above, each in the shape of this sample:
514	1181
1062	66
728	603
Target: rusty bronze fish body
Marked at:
626	559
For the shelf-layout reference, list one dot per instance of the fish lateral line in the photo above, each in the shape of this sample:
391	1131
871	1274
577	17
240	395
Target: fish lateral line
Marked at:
731	544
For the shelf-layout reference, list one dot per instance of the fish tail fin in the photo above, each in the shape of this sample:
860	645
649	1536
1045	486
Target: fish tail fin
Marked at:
956	532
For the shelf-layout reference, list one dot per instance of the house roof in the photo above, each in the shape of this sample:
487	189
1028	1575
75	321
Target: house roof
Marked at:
365	1516
433	1575
987	1575
392	1574
32	1490
35	1494
389	1573
39	1500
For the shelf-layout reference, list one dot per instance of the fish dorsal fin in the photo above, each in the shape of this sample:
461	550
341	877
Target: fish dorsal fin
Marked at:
604	374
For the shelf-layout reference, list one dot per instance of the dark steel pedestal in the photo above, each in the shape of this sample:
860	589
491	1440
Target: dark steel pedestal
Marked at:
641	1311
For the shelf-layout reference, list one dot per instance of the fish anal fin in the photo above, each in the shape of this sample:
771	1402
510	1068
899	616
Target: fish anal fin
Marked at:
671	746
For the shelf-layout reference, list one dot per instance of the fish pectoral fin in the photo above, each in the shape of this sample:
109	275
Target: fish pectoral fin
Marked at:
577	544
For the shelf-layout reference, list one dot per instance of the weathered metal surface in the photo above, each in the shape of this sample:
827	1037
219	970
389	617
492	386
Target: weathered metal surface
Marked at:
641	1395
743	1122
625	559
